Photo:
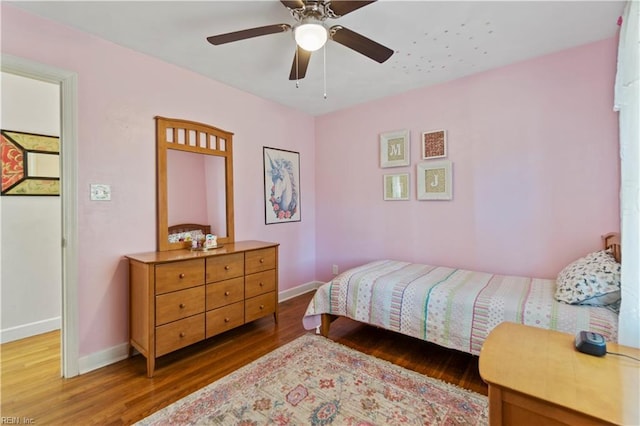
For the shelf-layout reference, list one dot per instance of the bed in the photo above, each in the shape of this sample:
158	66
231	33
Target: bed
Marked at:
457	308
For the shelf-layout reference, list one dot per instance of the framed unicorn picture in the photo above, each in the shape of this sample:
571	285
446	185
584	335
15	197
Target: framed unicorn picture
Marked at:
281	186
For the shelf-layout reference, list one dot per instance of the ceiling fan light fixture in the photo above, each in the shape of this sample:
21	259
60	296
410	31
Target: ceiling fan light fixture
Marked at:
311	35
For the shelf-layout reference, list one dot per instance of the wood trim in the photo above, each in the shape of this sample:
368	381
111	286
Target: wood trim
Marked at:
188	128
325	325
612	241
519	404
161	187
495	406
229	196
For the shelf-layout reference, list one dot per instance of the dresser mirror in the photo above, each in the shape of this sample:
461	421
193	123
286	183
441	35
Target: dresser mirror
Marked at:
194	181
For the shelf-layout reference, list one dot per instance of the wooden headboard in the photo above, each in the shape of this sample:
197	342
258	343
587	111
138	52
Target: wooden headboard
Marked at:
612	241
187	227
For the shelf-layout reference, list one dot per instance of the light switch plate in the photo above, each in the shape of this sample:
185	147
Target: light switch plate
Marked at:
100	192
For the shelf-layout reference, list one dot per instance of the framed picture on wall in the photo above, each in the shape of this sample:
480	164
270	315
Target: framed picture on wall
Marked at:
434	180
281	185
394	149
396	187
434	144
30	164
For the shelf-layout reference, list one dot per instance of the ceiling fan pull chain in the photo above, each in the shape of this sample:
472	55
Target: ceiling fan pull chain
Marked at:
324	55
297	78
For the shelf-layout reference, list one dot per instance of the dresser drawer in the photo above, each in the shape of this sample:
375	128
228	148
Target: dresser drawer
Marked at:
260	283
224	293
225	318
224	267
179	304
179	275
179	334
260	260
259	306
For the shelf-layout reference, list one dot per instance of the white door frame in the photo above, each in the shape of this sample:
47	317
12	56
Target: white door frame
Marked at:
68	82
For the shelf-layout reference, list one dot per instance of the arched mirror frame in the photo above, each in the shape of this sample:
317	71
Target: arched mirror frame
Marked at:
184	135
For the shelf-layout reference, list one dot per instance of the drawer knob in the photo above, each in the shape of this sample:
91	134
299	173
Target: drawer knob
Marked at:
226	293
261	284
226	320
182	334
261	307
226	268
181	276
182	306
261	260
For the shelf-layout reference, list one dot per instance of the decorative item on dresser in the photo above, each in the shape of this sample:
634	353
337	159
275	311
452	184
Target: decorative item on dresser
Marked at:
181	297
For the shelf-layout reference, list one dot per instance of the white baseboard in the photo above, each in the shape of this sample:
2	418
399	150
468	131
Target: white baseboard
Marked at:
118	353
102	358
297	291
31	329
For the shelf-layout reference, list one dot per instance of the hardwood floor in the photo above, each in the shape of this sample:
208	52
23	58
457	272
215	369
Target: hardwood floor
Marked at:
32	389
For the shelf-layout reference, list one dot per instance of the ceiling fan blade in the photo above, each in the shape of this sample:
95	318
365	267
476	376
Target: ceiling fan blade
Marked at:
300	64
360	43
250	33
293	4
342	7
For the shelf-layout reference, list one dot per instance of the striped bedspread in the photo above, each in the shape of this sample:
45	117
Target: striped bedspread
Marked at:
450	307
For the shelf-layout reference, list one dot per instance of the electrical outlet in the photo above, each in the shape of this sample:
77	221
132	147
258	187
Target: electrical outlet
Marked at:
334	269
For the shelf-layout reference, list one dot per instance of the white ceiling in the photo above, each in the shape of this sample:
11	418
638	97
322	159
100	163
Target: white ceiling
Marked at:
433	41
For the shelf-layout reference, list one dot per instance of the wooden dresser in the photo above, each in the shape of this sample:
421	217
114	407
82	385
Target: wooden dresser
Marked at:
537	377
181	297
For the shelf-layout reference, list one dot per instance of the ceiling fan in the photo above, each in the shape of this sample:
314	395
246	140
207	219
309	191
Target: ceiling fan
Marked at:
311	34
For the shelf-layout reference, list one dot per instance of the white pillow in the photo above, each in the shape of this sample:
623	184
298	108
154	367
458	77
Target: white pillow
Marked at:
590	280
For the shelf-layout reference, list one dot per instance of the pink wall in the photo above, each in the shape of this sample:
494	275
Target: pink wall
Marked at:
534	148
119	93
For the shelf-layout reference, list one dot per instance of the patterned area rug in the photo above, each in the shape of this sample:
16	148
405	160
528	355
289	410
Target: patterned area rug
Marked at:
316	381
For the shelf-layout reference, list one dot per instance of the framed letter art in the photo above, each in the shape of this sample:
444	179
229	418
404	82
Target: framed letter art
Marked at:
434	180
396	187
394	149
281	185
434	144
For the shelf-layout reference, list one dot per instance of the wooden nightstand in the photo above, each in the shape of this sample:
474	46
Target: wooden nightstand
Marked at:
537	377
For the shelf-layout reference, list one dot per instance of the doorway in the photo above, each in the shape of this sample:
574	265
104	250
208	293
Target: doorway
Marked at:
67	83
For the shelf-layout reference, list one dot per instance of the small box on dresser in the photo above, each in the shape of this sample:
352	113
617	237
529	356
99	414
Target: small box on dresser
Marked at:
181	297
